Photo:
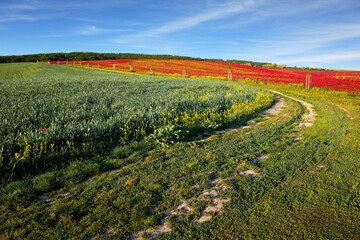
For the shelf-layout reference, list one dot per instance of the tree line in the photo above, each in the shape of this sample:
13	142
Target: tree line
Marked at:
77	56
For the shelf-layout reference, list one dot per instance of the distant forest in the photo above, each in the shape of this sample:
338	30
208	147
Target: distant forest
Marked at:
77	56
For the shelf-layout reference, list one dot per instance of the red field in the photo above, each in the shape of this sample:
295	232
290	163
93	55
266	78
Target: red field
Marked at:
348	81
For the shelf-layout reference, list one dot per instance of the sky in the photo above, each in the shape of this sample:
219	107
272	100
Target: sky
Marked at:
306	33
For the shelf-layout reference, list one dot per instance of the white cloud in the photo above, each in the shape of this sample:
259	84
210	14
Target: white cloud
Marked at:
299	43
326	58
219	11
122	23
275	11
90	30
84	30
94	30
30	10
18	11
17	7
330	33
16	17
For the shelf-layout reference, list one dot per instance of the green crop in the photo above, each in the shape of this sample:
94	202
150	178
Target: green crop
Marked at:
306	189
52	114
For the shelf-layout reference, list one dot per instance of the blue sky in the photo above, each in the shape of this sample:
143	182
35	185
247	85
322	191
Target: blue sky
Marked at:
317	33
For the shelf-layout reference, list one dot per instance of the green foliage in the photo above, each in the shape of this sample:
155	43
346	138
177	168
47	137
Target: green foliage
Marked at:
168	135
46	122
78	56
307	190
134	197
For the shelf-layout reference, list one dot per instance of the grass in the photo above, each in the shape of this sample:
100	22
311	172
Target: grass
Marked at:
308	189
51	115
164	177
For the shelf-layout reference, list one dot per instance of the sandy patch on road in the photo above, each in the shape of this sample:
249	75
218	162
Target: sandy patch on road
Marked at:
309	117
213	208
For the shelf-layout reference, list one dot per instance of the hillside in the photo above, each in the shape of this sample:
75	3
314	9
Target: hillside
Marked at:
106	155
87	56
348	81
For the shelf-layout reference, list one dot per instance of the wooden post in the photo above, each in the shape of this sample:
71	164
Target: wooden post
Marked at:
230	72
308	81
230	75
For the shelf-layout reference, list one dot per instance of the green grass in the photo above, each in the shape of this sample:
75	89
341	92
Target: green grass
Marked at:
308	190
52	115
106	201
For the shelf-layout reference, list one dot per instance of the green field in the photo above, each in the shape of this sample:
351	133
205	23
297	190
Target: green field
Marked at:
51	116
123	156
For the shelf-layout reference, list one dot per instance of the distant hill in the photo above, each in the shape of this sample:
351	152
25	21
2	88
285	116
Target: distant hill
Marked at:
77	56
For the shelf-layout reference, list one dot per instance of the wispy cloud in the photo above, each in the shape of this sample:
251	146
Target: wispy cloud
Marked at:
86	30
18	11
17	17
330	33
282	14
300	42
99	21
325	58
17	7
90	30
94	30
219	11
30	10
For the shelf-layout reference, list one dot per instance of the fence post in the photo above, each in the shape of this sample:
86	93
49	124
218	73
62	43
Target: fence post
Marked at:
230	75
308	81
230	72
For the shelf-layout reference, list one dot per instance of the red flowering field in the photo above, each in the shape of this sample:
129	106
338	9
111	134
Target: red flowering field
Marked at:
348	81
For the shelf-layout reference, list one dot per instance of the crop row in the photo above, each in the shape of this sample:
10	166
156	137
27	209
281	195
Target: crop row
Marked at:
64	112
336	80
